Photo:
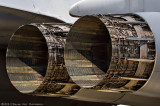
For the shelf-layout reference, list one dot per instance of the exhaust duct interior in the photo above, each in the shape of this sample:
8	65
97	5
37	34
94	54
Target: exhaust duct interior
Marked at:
27	59
35	60
88	51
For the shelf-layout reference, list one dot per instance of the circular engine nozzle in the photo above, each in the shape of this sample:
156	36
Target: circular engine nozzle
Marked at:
110	52
35	61
88	51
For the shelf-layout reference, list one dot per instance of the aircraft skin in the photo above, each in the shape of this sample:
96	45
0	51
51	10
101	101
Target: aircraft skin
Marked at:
82	8
51	8
18	12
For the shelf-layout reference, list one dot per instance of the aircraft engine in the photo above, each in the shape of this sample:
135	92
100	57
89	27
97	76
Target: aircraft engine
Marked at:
115	54
35	63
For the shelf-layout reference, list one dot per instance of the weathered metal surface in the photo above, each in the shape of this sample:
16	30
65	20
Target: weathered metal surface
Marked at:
134	78
35	62
97	52
151	88
141	60
140	39
143	55
131	22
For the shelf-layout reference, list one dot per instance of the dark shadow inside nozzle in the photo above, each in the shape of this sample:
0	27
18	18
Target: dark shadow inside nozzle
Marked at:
88	51
27	59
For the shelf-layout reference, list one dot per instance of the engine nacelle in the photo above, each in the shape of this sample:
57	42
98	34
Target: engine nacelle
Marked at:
116	53
115	57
